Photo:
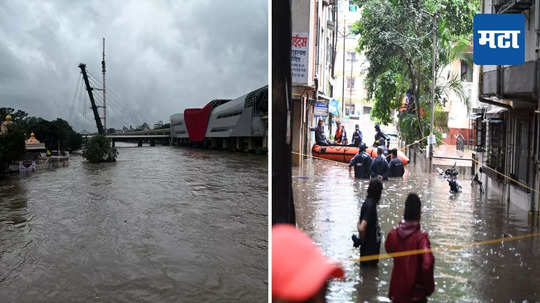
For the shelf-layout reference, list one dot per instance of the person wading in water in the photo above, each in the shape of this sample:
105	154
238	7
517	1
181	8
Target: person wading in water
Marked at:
412	275
368	227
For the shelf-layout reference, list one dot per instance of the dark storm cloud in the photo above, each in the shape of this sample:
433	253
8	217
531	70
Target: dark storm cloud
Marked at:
162	56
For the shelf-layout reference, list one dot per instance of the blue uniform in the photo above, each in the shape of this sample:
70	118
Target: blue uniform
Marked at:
362	165
357	138
396	168
379	167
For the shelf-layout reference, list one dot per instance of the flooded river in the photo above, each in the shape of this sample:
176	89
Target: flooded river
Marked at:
162	224
328	202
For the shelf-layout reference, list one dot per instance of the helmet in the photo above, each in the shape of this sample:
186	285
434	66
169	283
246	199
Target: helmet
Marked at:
8	118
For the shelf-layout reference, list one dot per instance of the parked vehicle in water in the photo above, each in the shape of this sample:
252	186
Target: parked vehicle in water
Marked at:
450	175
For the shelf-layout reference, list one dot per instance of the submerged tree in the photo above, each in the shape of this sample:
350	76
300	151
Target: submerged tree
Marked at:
99	149
396	37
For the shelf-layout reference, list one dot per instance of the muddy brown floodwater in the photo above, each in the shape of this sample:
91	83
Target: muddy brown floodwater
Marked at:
328	202
162	224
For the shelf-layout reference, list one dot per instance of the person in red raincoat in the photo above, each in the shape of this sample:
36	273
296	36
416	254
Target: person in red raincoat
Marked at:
412	276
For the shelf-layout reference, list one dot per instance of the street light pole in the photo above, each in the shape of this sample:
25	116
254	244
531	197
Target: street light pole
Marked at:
433	82
343	74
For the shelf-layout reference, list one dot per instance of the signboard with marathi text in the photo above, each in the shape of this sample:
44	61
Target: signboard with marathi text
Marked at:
320	110
499	39
299	58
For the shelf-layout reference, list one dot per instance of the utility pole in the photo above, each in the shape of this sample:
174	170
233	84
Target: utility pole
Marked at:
353	59
104	99
433	82
343	77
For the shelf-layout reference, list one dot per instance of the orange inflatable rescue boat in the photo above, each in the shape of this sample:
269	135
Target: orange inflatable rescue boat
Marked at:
344	153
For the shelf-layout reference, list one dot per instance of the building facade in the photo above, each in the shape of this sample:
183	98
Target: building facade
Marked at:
460	113
508	128
350	66
313	51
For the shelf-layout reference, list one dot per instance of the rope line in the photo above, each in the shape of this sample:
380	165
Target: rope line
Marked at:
443	248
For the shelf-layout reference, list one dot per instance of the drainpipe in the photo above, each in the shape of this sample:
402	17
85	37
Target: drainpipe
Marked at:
536	176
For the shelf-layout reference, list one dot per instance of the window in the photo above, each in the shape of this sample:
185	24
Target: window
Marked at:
367	110
352	8
466	72
351	56
349	109
522	150
350	82
496	145
480	134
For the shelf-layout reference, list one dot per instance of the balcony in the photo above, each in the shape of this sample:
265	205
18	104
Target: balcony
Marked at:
516	81
511	6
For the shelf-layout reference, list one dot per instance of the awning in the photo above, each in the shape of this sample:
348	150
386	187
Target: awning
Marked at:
475	116
495	112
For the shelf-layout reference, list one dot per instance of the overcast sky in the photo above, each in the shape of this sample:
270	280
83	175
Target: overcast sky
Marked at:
162	56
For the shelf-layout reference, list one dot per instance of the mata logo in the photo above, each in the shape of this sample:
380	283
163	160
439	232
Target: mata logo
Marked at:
499	39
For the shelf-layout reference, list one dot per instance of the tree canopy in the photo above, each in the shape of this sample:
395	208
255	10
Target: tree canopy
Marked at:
396	36
54	134
11	146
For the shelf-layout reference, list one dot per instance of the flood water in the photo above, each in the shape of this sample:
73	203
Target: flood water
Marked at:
328	202
162	224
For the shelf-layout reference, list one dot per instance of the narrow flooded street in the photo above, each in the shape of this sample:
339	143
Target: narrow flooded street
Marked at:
328	201
162	224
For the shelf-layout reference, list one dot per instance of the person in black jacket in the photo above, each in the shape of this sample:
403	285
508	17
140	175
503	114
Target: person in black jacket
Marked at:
361	163
396	165
369	230
320	138
380	137
357	136
379	166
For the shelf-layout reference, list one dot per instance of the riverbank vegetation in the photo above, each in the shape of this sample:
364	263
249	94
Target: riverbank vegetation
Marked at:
11	147
55	134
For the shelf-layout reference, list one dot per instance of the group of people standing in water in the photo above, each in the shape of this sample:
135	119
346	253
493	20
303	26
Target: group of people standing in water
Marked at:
385	165
301	273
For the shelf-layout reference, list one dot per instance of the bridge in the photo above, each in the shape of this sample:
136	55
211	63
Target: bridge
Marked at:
151	137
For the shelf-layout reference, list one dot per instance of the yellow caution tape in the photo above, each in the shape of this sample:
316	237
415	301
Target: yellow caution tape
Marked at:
443	248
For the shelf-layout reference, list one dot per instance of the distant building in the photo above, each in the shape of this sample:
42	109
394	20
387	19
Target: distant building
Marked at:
158	124
460	117
508	127
349	84
314	37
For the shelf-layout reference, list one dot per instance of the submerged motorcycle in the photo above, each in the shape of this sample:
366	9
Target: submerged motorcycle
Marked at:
451	176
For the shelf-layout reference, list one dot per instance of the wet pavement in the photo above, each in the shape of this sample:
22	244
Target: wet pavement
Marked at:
328	201
162	224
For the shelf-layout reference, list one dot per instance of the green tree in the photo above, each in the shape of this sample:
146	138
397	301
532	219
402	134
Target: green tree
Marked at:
396	38
16	116
99	149
54	134
11	146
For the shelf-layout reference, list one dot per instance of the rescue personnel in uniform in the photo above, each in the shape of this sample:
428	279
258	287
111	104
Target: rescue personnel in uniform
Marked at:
380	137
357	136
379	166
320	138
361	163
396	166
